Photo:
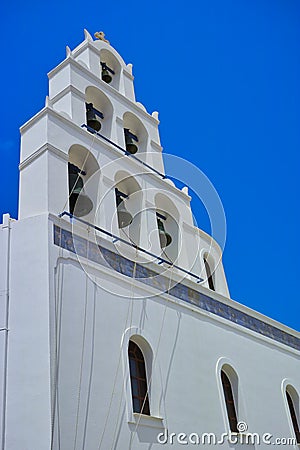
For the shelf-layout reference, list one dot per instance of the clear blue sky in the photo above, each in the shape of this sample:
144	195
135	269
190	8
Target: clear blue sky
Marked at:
225	77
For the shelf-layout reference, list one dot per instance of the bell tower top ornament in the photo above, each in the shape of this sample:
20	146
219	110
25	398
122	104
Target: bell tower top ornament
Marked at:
101	36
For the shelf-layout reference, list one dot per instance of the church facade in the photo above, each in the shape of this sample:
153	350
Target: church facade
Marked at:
118	330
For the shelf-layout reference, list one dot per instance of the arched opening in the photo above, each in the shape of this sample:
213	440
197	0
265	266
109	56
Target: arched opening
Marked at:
230	388
128	205
83	173
138	379
209	270
293	404
110	68
99	111
135	134
167	218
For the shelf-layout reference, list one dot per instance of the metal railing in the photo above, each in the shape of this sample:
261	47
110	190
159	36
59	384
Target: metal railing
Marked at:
91	130
131	244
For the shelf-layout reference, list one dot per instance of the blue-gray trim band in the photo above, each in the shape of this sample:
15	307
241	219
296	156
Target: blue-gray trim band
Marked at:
96	253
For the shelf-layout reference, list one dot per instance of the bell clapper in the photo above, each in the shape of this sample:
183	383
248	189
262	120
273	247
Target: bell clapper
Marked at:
130	141
91	117
106	73
165	238
80	203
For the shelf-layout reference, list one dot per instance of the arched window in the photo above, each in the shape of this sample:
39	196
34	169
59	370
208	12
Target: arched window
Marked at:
139	387
293	416
129	206
99	111
83	177
229	400
209	275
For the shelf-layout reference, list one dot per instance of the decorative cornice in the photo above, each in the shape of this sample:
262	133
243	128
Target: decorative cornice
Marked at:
108	181
128	75
208	238
150	205
35	118
45	147
197	232
190	228
91	138
67	90
119	120
156	146
60	66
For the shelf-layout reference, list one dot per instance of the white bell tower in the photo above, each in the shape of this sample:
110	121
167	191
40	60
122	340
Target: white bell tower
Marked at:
92	137
77	89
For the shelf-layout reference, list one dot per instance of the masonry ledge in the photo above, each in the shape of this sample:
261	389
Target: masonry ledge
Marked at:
267	323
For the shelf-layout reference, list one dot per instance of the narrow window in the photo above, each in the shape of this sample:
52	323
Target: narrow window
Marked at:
293	416
209	275
138	379
229	400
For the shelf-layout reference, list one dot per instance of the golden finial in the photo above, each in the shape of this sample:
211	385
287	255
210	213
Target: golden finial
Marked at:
100	35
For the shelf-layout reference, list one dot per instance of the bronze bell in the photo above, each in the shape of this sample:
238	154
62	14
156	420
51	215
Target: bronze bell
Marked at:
91	118
80	203
130	141
165	238
124	217
106	76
